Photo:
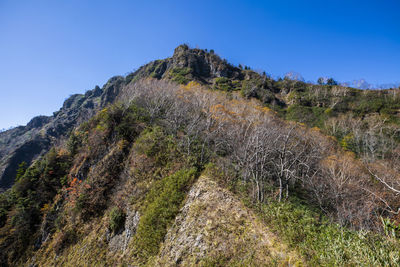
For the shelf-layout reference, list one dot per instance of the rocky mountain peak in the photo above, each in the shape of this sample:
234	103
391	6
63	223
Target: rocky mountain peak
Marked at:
203	64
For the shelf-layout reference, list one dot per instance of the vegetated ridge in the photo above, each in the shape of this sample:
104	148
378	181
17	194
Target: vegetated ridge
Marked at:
193	161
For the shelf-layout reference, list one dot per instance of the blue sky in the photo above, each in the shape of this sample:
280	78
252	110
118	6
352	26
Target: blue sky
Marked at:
52	49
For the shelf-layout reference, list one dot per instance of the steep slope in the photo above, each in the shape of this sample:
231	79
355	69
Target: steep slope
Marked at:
355	117
215	228
170	164
27	143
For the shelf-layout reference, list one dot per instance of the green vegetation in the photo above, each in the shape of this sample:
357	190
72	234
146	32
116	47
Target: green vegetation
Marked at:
128	122
225	84
180	75
162	204
309	115
24	203
149	154
390	228
154	143
324	243
158	69
73	143
117	219
22	167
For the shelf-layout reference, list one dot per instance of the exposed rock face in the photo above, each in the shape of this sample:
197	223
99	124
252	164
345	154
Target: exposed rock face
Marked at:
121	240
27	143
200	65
203	64
213	224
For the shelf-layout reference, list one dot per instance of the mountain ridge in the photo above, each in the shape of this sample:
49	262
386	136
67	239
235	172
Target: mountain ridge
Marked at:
80	107
130	165
186	64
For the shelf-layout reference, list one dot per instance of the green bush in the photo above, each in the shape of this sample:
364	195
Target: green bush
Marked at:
156	144
74	142
161	205
312	116
368	105
129	126
22	167
117	219
179	75
223	84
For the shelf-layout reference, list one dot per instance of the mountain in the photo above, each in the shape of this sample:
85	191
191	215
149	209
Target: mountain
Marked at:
363	84
294	76
192	161
27	143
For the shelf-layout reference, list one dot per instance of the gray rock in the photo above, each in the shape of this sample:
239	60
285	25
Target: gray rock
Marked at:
121	240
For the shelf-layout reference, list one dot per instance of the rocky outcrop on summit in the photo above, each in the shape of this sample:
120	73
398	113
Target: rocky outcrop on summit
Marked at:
207	68
204	64
196	64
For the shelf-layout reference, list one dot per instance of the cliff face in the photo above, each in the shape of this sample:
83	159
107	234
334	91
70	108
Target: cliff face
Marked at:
194	64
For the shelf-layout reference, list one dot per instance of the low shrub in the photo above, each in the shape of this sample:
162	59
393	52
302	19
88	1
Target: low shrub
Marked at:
154	143
117	219
64	239
179	75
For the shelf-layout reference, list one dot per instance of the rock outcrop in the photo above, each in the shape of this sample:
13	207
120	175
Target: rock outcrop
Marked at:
214	224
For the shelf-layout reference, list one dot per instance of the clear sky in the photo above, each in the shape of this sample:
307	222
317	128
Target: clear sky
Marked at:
52	49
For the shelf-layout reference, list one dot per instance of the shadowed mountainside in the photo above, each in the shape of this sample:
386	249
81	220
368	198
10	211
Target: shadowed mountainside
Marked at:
27	143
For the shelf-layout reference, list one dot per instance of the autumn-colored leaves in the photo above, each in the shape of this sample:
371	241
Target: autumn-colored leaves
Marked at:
74	189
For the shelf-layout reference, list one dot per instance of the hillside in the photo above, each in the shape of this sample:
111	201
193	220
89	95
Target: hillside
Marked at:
193	161
355	117
27	143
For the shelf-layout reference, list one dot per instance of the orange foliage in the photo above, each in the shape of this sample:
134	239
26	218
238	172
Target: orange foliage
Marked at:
73	190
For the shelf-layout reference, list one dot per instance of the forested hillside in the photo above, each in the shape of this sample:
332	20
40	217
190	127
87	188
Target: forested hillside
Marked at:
193	161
